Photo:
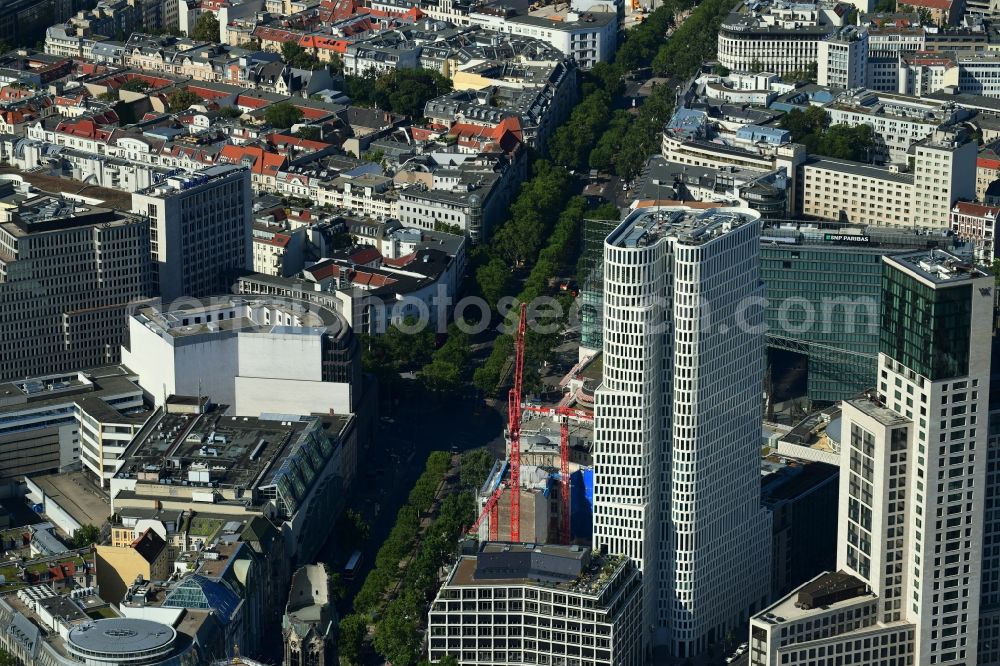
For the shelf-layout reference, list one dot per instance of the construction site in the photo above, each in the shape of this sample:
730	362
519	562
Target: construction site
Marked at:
542	493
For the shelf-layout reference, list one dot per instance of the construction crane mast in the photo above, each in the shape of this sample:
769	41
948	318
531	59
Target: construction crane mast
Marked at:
564	532
491	508
514	428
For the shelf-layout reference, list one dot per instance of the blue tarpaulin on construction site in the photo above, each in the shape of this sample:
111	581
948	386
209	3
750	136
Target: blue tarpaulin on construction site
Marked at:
581	487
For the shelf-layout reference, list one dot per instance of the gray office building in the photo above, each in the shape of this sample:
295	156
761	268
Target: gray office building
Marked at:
68	270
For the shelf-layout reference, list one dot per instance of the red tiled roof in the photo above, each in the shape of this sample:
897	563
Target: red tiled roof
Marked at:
62	570
930	4
422	133
327	43
323	271
96	126
371	279
413	14
979	210
282	140
365	255
267	34
252	102
311	113
278	240
507	134
15	116
120	80
88	68
72	100
930	58
399	262
263	163
13	93
206	93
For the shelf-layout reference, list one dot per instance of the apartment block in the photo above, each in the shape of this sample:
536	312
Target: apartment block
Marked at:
977	223
979	74
856	193
944	171
888	39
922	73
987	171
589	37
842	60
898	121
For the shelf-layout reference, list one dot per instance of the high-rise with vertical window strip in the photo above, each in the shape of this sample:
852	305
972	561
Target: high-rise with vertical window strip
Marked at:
677	419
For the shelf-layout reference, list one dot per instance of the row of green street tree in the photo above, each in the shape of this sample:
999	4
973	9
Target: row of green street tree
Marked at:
395	594
542	234
540	238
620	140
536	244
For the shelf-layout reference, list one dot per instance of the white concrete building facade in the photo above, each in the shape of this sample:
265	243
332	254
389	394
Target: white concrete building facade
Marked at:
944	172
89	262
255	354
676	483
842	60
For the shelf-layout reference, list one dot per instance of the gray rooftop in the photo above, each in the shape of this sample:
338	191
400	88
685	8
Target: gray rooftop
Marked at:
860	169
227	452
877	411
836	237
570	568
44	213
240	314
586	20
937	266
555	564
646	226
120	636
181	182
59	389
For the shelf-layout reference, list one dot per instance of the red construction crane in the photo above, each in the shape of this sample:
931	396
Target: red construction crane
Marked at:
491	507
565	414
514	428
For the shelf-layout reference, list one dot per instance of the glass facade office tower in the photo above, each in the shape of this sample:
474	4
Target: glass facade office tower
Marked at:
824	293
912	488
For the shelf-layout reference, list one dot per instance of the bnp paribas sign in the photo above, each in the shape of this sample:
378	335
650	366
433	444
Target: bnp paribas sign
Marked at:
846	238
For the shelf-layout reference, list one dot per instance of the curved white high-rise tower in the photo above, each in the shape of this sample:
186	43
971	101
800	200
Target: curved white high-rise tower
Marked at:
677	422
